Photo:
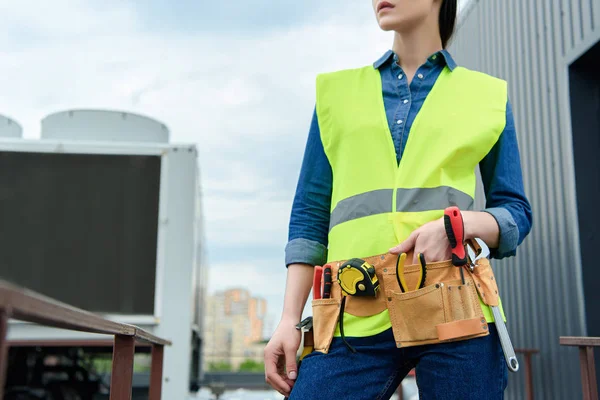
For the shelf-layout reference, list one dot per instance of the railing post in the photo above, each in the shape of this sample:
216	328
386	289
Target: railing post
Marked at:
588	373
156	372
122	368
4	315
528	354
528	376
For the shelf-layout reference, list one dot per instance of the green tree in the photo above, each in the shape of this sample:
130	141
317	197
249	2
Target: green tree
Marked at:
252	366
220	366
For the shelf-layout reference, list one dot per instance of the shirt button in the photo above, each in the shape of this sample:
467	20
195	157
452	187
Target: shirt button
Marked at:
405	101
433	57
400	76
399	122
420	76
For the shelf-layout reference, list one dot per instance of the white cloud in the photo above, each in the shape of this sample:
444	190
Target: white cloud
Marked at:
245	101
264	280
63	18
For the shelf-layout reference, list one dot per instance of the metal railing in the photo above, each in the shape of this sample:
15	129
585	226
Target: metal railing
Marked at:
25	305
527	354
586	346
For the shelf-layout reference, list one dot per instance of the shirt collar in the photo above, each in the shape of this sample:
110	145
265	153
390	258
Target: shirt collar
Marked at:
390	55
387	56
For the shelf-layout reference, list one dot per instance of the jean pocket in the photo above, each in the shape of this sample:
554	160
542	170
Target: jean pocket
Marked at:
325	317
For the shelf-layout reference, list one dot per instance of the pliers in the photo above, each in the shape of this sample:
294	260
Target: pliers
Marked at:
400	273
306	327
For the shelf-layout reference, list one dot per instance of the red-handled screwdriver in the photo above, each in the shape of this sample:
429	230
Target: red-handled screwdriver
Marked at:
317	282
455	230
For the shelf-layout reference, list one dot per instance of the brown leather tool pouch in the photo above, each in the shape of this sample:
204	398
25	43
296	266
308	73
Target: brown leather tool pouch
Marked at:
485	282
325	317
444	310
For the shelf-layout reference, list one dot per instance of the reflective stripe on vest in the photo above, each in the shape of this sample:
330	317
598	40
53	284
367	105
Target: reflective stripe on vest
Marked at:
407	200
377	203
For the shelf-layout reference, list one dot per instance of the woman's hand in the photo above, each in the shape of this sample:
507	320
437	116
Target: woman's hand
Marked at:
430	239
280	357
280	354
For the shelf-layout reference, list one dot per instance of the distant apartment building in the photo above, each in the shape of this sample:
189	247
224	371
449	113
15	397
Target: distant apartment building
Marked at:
234	327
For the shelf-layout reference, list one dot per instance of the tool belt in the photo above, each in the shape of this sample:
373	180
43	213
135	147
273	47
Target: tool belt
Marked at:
443	310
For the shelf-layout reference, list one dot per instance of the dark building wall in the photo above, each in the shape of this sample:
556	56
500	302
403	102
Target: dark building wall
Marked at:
532	45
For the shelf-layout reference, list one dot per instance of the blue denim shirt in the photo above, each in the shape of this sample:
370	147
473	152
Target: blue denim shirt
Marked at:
500	169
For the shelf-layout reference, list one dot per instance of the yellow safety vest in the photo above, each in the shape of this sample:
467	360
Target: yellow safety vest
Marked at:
377	203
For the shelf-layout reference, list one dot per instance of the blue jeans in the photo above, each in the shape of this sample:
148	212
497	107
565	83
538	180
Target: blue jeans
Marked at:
469	369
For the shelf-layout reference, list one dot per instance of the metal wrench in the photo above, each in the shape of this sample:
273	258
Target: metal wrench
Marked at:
485	251
507	347
472	257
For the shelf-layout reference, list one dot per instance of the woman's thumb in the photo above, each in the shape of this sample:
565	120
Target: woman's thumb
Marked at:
290	363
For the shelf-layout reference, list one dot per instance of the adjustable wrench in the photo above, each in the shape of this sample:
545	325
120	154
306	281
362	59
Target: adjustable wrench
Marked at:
485	251
507	347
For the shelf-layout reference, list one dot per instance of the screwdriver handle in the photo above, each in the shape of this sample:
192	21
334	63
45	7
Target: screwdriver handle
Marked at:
317	280
455	230
327	281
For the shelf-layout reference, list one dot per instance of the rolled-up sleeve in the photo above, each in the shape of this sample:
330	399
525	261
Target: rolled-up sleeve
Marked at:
309	219
505	195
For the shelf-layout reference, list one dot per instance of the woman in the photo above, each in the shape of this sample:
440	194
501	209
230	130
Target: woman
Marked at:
435	122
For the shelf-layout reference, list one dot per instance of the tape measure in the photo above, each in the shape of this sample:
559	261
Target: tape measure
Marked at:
357	278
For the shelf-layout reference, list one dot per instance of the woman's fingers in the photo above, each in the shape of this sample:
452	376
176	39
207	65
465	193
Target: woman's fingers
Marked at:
421	247
430	239
406	245
274	372
432	253
416	256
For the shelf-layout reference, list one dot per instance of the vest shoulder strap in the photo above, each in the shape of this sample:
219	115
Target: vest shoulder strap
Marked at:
337	82
481	85
337	92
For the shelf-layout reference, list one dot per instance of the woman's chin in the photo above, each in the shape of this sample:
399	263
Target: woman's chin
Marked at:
386	24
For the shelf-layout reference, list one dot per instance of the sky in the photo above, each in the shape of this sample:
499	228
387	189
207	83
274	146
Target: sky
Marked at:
234	78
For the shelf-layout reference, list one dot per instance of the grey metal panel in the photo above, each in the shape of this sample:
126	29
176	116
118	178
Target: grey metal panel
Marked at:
567	12
586	17
595	5
576	20
526	43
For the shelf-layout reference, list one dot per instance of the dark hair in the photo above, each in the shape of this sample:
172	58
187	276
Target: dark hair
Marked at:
447	20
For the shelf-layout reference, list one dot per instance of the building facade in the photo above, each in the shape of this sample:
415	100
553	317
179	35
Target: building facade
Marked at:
549	52
234	326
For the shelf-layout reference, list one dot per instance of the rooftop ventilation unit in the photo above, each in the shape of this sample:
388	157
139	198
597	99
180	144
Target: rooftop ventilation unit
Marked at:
103	213
10	128
103	125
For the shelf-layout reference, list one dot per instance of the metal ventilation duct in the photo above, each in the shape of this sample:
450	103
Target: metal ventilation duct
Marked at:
103	125
10	128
